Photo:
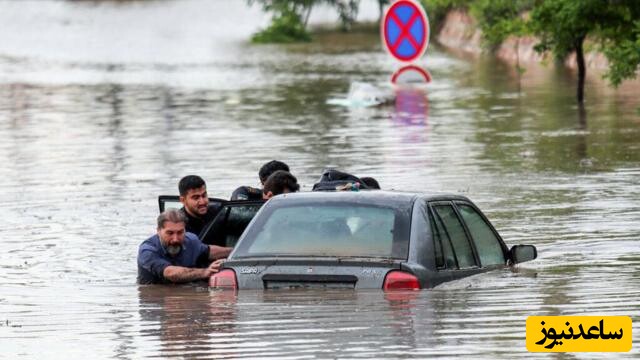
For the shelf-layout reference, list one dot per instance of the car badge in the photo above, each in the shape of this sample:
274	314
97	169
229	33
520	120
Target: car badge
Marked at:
248	270
309	270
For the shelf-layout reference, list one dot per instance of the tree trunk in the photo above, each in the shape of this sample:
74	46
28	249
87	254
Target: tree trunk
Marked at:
582	70
306	15
518	69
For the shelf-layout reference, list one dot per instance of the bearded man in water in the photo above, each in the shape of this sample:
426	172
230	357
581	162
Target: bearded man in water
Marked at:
175	256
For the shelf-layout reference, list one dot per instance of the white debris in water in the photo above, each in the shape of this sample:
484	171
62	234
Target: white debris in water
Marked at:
363	94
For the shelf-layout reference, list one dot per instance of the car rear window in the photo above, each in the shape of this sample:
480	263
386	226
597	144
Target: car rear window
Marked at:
327	230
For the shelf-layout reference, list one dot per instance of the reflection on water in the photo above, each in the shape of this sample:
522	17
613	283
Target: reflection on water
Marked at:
94	125
411	107
183	319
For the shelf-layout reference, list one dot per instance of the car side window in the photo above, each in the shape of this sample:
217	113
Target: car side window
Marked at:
455	232
444	254
487	244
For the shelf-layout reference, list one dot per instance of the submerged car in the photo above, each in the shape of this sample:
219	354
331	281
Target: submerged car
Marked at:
362	240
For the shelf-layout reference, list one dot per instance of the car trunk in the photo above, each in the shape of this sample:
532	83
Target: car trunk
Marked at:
306	273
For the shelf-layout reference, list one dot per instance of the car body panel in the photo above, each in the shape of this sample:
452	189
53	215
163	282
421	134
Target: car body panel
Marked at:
311	273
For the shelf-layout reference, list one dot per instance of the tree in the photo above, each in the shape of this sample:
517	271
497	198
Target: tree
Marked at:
347	11
621	42
564	25
288	22
290	18
500	19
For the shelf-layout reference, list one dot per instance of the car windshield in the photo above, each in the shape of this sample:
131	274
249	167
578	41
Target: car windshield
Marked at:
327	230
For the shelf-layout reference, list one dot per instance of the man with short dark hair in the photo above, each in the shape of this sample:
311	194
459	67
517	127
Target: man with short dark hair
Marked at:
251	193
175	256
195	201
370	182
280	182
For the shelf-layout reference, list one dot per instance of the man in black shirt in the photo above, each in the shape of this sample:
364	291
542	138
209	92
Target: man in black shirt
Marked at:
251	193
193	196
280	182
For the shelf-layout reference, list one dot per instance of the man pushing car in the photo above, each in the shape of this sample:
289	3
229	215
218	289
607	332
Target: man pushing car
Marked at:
175	256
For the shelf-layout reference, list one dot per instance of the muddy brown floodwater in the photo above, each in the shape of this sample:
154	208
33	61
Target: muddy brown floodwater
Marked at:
105	105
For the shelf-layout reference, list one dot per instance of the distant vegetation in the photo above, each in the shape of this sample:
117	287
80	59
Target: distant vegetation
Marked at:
562	27
285	27
290	18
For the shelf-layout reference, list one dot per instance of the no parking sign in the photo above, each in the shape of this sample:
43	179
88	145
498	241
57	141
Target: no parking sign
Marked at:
405	30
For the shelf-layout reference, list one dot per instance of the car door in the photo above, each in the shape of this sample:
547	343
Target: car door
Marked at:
492	251
455	254
234	216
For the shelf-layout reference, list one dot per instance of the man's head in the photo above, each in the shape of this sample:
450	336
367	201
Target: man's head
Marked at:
280	182
269	168
371	183
193	195
171	224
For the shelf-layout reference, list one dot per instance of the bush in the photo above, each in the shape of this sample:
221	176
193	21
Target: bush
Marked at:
286	27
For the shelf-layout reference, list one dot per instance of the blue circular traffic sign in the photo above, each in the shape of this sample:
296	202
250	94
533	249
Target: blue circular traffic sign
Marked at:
405	30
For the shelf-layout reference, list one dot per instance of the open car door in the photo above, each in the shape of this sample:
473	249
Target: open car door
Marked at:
229	224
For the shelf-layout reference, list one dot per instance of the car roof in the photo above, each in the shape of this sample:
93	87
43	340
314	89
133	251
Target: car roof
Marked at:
372	197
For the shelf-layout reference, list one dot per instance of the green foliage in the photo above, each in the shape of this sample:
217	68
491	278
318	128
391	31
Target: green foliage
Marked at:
437	9
563	25
499	19
290	17
621	40
288	23
624	58
286	27
347	11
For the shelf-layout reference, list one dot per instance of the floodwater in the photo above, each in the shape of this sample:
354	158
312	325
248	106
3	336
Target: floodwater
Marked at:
105	105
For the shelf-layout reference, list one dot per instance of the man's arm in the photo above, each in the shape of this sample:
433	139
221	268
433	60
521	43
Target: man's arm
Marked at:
219	252
181	274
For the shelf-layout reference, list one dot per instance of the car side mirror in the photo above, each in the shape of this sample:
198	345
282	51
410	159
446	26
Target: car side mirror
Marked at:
522	253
